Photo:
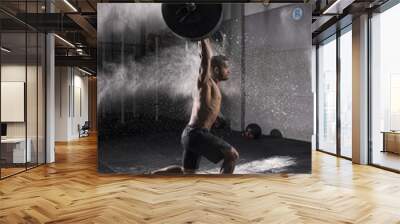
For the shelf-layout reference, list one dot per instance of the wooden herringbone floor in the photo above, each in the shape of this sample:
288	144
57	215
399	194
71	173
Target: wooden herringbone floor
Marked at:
71	191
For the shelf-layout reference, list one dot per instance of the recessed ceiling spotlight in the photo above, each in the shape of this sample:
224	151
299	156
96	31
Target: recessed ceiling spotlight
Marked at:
84	71
337	7
5	50
70	5
64	40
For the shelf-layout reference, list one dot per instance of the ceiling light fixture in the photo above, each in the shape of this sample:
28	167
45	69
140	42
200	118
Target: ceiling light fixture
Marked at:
337	7
70	5
84	71
329	9
5	50
65	41
79	51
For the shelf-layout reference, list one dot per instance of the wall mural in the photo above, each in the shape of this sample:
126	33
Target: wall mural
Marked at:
183	91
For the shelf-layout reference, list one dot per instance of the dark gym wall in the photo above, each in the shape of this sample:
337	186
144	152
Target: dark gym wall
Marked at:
143	65
278	71
273	64
233	28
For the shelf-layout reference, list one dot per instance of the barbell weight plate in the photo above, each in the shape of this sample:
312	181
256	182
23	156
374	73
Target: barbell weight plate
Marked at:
192	21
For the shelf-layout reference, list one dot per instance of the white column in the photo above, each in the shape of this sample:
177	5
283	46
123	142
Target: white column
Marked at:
360	90
50	99
50	92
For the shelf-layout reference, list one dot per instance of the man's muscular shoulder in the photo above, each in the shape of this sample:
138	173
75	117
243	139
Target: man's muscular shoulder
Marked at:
206	83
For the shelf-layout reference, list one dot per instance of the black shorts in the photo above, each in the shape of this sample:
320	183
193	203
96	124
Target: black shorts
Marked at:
199	142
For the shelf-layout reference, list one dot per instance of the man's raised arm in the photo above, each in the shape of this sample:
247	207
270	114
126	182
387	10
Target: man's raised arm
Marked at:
205	66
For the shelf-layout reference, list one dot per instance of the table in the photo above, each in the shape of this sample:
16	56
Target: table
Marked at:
391	141
13	150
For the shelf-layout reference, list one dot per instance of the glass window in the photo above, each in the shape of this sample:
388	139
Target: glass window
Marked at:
346	93
385	88
22	92
31	99
327	96
15	151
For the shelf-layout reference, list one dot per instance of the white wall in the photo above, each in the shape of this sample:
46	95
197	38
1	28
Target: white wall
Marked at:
61	103
12	73
16	73
13	99
79	117
70	83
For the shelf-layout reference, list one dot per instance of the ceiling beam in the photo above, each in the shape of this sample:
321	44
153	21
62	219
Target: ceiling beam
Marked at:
86	27
83	61
75	59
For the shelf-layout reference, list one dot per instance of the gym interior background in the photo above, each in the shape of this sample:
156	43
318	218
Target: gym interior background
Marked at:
146	77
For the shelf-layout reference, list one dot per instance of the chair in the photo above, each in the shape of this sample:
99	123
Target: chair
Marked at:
84	130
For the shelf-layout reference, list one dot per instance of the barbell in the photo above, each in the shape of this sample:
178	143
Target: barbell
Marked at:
193	21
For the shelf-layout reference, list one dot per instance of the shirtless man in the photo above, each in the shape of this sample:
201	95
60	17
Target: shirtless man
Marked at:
197	140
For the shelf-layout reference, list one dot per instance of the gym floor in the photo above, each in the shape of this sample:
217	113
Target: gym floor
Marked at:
144	153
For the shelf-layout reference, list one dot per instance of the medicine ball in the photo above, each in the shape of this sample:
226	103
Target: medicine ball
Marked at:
275	133
254	130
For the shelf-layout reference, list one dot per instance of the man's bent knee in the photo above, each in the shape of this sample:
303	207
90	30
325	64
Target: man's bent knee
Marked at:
232	154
